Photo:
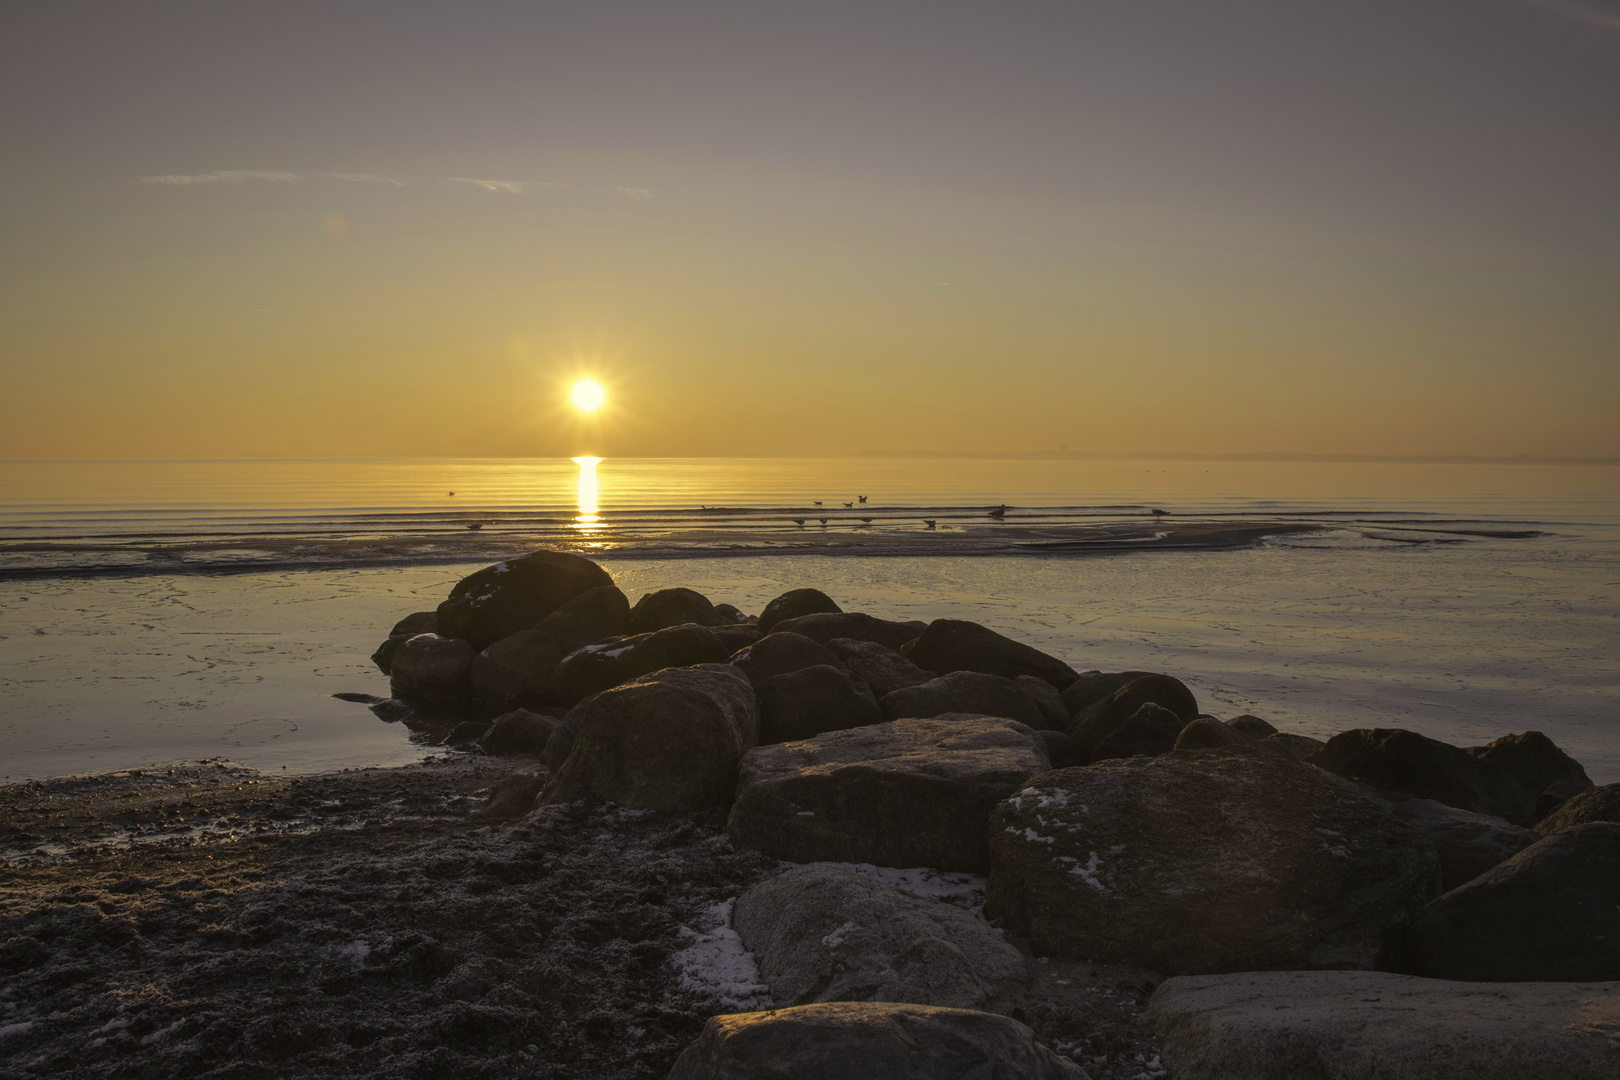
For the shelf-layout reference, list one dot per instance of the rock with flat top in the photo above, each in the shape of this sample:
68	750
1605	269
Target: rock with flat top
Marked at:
883	669
796	602
825	626
1371	1025
873	1041
958	645
670	741
501	600
826	933
905	793
595	668
431	670
1206	861
964	692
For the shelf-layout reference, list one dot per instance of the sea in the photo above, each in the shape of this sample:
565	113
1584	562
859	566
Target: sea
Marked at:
154	612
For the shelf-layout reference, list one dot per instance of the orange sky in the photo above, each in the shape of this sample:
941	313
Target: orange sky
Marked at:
336	230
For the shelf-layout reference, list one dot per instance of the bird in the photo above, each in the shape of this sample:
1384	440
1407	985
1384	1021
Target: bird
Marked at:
452	493
799	522
999	512
929	522
816	503
861	497
849	506
867	520
822	520
1161	513
476	525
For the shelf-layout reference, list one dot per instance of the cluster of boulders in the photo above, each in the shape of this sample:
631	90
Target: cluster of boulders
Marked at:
1114	820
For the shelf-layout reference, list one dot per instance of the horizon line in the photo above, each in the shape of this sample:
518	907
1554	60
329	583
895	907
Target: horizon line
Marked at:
912	454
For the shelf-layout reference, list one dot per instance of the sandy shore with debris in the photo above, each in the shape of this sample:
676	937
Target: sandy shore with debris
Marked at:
210	921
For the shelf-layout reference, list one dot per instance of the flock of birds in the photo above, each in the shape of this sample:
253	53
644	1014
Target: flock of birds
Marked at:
998	513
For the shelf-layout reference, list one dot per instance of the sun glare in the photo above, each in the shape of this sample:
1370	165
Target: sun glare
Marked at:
587	395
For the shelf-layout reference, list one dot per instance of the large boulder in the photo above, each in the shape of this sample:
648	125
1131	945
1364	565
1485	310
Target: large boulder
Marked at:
1544	774
874	1041
417	622
1252	726
733	638
825	933
1361	1025
1551	913
500	600
804	703
1149	731
1097	721
674	607
796	602
516	671
964	692
669	741
905	793
1208	733
1400	760
1598	804
592	616
882	668
595	668
1047	699
1208	861
778	654
1090	687
957	645
1468	844
431	670
824	627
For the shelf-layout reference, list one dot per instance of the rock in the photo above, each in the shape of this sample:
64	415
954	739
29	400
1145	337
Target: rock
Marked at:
1298	747
517	670
520	732
465	732
1252	726
500	600
512	797
804	703
1551	913
1149	731
561	742
1208	733
1090	687
429	669
384	656
732	638
669	741
778	654
824	627
1199	862
1598	804
874	1041
732	614
882	668
964	692
904	793
957	645
1468	844
794	603
1063	750
1360	1025
595	668
1400	760
1048	700
673	607
417	622
592	616
1546	775
1097	721
825	933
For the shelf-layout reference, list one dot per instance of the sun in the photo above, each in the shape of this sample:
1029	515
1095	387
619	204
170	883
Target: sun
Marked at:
587	395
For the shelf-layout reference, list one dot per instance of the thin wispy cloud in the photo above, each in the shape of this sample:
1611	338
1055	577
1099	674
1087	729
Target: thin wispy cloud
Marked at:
223	176
515	187
364	178
634	192
1603	14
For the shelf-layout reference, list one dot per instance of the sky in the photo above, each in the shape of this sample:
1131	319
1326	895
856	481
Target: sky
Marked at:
395	229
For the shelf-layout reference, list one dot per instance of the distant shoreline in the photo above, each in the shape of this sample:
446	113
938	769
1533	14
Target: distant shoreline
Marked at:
1349	459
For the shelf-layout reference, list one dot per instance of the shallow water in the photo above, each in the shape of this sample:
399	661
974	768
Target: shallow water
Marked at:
1463	601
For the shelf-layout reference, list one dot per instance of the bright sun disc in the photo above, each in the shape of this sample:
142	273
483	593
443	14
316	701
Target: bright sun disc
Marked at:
587	395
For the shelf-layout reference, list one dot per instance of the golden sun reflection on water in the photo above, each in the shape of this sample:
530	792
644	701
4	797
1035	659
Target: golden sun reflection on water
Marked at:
588	520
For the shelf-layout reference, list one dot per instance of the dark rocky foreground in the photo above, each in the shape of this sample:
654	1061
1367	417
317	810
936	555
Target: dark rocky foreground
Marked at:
609	902
370	924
